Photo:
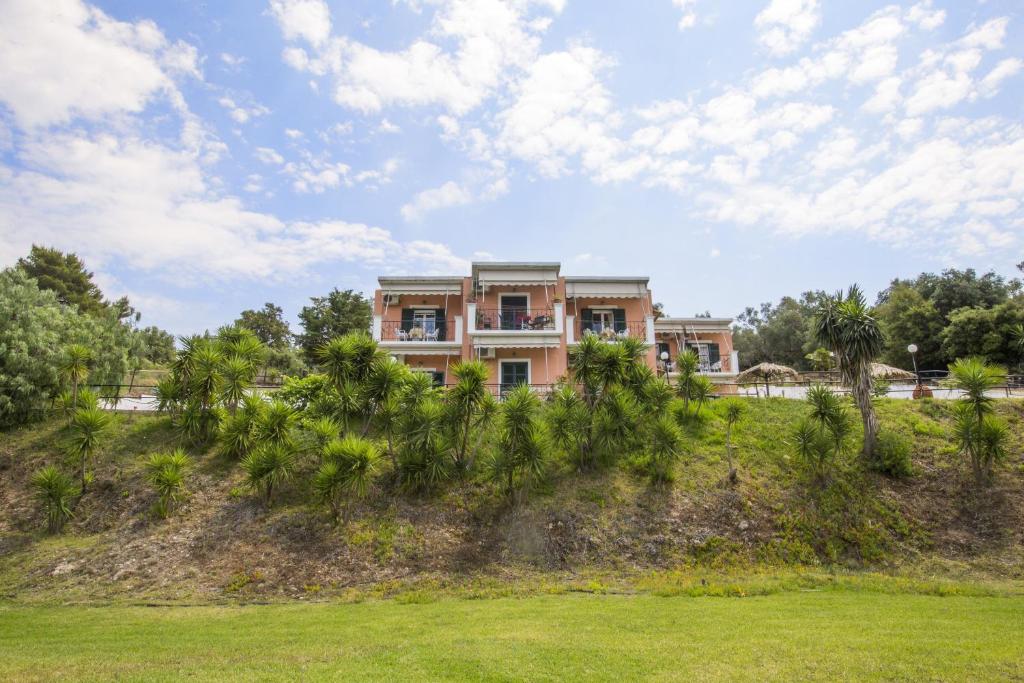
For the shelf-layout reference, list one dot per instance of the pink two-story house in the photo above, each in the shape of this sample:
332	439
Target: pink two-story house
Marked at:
523	319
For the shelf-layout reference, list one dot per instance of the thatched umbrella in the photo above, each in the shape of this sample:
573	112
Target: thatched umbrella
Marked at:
883	371
766	372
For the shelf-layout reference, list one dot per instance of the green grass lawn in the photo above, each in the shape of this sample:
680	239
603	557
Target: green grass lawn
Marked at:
828	635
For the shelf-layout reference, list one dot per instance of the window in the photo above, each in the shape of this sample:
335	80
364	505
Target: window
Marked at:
515	311
514	373
603	320
425	319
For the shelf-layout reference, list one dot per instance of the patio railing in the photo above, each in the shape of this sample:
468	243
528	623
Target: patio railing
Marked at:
439	331
515	318
612	331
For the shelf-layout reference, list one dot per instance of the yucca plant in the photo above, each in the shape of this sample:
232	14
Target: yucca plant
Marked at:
665	440
346	472
236	375
702	390
568	424
464	401
656	394
424	449
383	381
387	420
845	326
238	432
732	411
168	394
74	367
56	492
268	467
977	432
320	432
88	427
198	423
166	472
522	447
687	366
822	436
276	422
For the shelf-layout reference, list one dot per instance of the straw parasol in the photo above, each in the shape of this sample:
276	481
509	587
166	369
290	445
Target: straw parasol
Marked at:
766	372
883	371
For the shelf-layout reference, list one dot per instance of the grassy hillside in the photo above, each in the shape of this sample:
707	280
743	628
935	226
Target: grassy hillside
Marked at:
609	529
833	635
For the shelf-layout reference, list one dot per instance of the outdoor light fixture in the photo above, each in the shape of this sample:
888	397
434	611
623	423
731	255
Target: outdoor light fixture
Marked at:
919	390
664	360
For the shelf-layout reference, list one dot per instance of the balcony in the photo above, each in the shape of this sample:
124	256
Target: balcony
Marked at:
511	318
434	331
636	329
412	337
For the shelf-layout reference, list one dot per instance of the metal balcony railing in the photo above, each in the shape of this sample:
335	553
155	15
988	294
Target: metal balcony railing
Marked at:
418	331
515	318
612	331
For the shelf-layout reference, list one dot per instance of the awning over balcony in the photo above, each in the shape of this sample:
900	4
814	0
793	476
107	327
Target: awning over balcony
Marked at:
488	273
605	288
421	286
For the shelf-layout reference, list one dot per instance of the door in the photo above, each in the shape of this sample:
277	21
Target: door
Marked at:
425	320
514	312
514	373
603	320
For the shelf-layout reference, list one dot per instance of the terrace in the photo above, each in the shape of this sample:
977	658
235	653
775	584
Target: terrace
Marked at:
419	314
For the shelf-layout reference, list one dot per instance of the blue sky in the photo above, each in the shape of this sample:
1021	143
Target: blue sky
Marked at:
207	157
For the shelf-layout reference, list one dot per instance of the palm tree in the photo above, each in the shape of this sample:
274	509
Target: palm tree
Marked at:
75	368
1018	338
702	389
464	401
687	364
236	376
55	491
166	474
87	429
321	431
664	446
387	420
846	327
522	443
276	421
268	467
383	381
347	468
978	433
732	410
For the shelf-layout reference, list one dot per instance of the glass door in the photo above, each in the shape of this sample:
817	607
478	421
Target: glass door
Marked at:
514	312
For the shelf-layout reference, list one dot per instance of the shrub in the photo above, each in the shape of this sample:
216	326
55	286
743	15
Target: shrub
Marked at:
55	491
347	470
166	474
87	429
892	455
663	450
267	468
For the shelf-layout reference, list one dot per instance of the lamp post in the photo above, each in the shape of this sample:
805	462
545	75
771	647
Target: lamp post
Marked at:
919	390
664	361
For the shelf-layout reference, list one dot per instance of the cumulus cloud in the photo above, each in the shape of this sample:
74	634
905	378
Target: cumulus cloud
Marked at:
447	195
785	25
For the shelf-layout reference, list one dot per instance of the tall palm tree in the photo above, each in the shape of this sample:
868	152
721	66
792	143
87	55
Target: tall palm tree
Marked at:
75	369
845	326
464	401
87	429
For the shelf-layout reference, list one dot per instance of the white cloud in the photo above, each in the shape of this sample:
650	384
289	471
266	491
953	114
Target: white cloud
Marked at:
268	155
561	110
309	20
785	25
447	195
924	16
387	127
293	133
989	85
242	113
62	59
491	37
232	61
689	14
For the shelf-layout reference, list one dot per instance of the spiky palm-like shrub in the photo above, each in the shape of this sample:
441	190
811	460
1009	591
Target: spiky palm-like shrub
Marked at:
276	423
238	433
568	421
464	401
383	382
74	367
236	377
845	326
166	472
346	473
822	436
424	451
55	492
522	447
665	439
732	410
169	394
977	432
267	468
319	432
88	427
687	366
702	390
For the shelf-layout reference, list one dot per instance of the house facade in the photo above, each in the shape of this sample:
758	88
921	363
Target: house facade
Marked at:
522	319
